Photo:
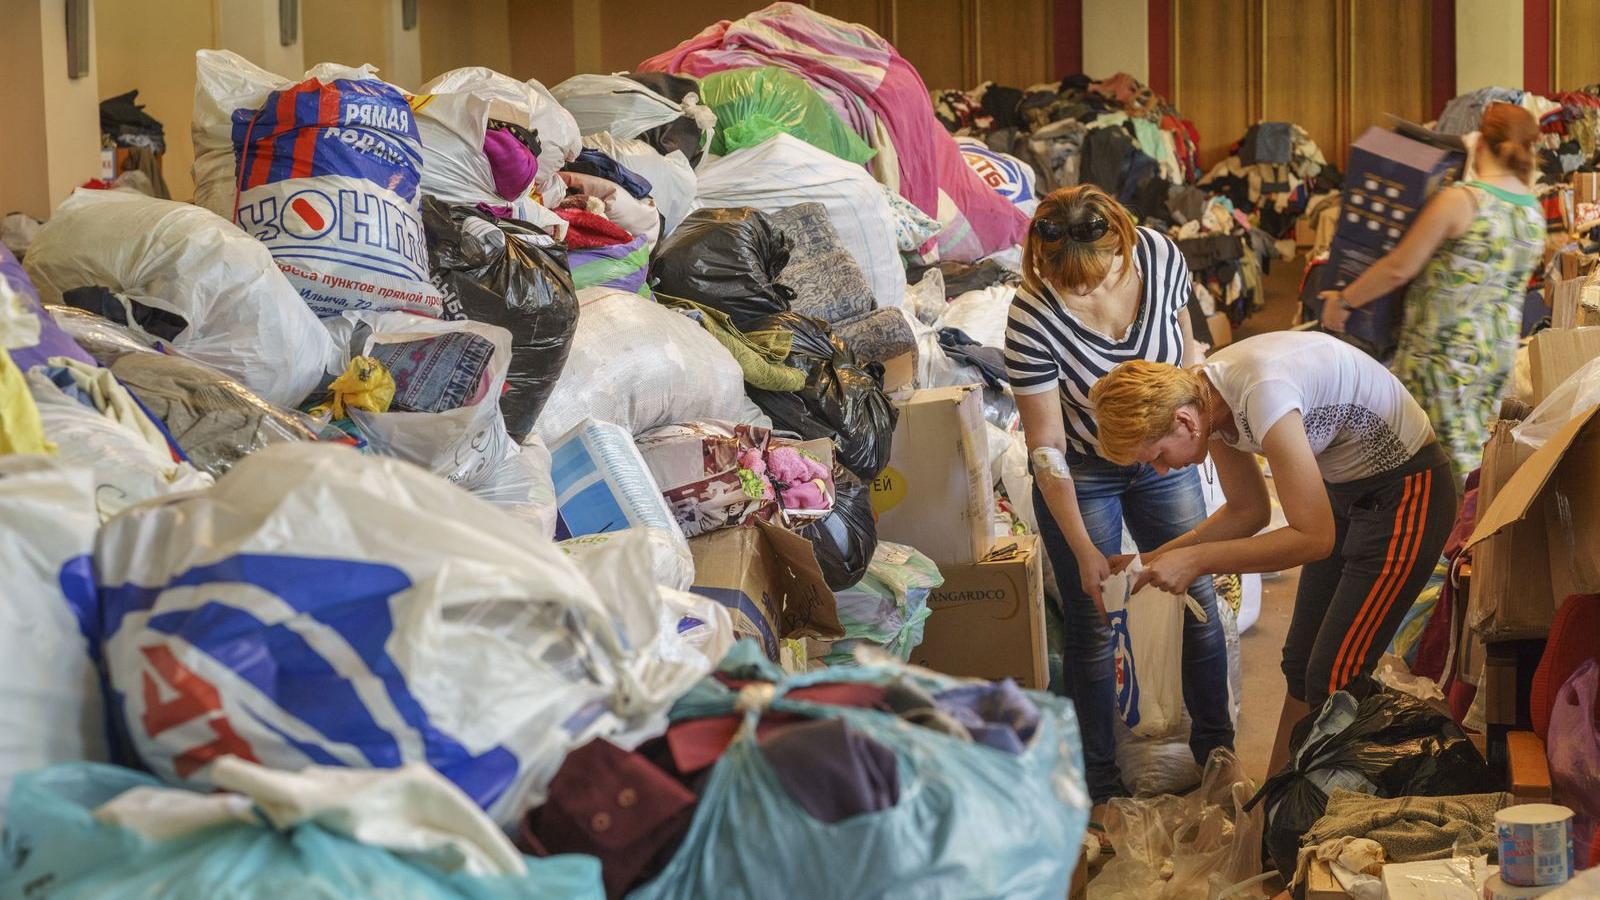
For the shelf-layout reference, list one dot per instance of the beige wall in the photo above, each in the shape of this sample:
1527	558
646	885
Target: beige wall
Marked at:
456	33
1488	45
150	47
1116	38
344	31
52	127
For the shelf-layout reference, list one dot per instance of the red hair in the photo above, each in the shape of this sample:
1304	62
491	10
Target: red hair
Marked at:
1508	132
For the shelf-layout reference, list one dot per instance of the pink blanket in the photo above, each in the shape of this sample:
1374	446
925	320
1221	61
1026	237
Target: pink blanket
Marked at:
866	81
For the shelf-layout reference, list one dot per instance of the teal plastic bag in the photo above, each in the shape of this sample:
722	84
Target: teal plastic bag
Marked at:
756	103
54	849
888	607
972	822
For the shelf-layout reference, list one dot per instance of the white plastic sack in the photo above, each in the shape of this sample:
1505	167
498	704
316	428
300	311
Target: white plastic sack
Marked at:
625	107
925	300
244	317
1147	646
1572	398
50	711
468	445
604	488
521	486
328	182
784	171
411	810
981	314
692	630
528	104
127	470
454	167
1158	765
319	606
640	365
1250	582
672	179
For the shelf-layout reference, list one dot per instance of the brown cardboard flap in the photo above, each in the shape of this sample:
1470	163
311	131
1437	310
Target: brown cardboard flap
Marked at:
1518	496
809	608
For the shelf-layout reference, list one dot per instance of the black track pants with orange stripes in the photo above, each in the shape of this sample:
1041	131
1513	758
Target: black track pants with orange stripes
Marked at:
1391	530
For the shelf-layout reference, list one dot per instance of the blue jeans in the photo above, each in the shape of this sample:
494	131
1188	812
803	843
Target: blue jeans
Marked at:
1158	509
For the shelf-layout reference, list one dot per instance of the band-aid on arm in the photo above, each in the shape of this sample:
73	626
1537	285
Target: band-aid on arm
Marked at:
1049	461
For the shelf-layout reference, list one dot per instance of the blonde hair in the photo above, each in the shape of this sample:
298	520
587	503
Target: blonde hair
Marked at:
1136	403
1074	264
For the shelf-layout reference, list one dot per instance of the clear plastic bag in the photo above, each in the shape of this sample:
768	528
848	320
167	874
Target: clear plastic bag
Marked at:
1184	848
1573	397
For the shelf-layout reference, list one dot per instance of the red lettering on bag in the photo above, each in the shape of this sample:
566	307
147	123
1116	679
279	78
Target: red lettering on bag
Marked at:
196	698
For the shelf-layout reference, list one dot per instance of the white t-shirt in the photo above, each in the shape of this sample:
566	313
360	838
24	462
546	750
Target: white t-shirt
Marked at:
1359	418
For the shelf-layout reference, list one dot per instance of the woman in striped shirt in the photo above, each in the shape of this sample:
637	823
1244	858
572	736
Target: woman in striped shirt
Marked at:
1097	291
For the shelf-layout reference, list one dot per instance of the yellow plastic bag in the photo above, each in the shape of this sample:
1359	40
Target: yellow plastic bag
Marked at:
365	384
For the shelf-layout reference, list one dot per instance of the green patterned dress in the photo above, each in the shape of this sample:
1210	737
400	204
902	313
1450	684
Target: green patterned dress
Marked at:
1463	318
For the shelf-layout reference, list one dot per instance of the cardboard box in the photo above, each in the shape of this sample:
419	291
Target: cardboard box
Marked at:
900	372
1320	883
1511	594
1389	177
1374	324
1555	353
1557	482
1221	330
987	618
1528	767
936	493
769	580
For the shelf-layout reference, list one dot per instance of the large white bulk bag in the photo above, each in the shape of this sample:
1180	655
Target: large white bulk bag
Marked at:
244	317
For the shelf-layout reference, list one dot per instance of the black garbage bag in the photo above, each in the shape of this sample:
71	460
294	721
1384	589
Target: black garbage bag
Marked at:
728	259
846	538
842	399
1365	737
507	273
961	277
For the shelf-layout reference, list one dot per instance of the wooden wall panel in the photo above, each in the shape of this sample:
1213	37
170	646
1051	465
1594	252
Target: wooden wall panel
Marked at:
1213	71
935	36
635	30
1299	70
1577	35
1391	67
543	44
1016	42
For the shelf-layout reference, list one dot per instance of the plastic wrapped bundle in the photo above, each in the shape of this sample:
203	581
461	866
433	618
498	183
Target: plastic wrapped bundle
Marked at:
755	103
527	104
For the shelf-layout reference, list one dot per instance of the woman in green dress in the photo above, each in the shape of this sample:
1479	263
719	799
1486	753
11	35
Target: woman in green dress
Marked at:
1468	257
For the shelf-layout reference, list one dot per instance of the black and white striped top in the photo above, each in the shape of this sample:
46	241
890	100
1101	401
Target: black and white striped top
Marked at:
1047	346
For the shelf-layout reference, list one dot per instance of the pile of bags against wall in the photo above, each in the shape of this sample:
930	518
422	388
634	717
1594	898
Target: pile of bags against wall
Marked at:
356	506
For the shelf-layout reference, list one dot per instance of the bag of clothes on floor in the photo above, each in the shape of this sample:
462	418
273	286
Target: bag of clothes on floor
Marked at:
881	778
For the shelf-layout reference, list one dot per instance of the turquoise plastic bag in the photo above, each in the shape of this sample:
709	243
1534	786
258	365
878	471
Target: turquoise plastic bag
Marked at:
55	850
888	607
972	822
753	104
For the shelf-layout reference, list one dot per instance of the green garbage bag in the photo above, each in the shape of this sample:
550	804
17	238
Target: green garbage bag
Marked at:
55	848
971	821
754	104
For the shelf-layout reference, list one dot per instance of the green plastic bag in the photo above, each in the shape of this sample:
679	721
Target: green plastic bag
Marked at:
971	821
888	607
754	104
55	849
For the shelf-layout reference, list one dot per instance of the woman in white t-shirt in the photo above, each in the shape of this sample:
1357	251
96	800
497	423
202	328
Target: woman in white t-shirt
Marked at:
1365	486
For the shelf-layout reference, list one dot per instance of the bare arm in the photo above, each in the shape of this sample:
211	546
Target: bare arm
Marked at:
1191	349
1309	536
1041	424
1447	215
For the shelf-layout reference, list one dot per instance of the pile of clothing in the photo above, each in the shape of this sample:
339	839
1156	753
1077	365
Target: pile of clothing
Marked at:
1272	174
513	493
1115	133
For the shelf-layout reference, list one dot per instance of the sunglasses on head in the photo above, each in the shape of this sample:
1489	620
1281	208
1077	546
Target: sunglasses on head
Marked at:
1087	230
